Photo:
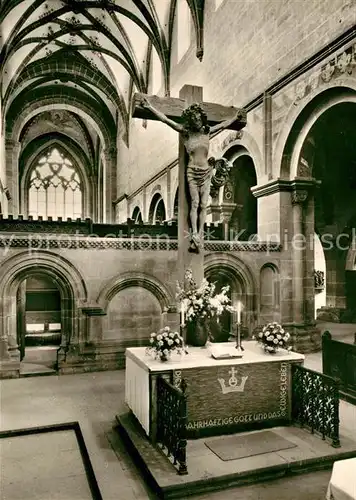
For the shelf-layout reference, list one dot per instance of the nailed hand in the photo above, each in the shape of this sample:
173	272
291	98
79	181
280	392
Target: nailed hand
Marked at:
145	103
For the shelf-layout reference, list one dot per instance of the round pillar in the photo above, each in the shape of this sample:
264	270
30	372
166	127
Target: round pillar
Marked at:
298	251
12	153
109	188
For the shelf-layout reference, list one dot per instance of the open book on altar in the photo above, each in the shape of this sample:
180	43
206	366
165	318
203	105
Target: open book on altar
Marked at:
223	351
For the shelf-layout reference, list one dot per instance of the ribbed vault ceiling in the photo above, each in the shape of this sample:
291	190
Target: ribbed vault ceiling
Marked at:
98	51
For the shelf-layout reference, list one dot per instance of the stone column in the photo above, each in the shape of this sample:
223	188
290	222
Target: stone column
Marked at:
92	204
9	351
21	318
267	134
2	163
298	252
12	153
145	208
215	210
227	210
306	336
100	191
110	155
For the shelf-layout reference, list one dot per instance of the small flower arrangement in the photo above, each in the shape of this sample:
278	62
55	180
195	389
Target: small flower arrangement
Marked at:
202	302
273	337
164	342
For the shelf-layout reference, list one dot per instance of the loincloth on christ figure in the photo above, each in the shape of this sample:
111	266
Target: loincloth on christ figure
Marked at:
200	177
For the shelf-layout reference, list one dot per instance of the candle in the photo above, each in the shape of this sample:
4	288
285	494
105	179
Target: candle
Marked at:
238	312
182	313
238	326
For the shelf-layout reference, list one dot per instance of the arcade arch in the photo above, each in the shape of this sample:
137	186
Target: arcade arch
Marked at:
322	146
13	274
238	204
157	210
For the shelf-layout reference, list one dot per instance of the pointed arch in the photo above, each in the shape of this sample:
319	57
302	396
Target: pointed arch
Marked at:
137	215
55	170
103	124
74	154
157	211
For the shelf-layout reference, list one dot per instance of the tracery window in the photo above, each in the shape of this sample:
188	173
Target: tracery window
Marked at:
55	189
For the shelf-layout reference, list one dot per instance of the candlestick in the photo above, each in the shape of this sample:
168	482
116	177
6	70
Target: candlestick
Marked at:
183	333
238	338
182	313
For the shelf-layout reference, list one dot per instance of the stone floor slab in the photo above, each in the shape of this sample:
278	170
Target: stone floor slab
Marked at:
49	488
35	444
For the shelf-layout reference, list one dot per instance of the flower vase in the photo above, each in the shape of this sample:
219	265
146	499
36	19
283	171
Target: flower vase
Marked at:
197	332
164	357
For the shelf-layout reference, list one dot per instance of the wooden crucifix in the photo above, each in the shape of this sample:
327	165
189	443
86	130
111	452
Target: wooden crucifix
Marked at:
195	121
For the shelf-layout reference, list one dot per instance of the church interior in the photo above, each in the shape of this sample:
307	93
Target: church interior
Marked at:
93	210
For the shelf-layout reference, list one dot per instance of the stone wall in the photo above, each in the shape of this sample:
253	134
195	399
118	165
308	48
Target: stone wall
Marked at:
114	298
132	315
248	46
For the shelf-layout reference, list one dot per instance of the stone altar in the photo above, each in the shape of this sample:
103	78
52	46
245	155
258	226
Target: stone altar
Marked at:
224	395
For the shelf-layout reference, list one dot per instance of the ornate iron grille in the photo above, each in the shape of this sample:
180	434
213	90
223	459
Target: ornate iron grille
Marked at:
315	402
339	361
172	421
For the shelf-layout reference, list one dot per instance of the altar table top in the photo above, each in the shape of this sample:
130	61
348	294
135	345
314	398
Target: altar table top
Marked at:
342	485
201	357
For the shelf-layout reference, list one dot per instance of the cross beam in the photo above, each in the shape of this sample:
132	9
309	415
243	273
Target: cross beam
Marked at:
173	108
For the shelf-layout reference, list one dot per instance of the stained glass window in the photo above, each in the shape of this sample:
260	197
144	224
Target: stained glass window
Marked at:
55	188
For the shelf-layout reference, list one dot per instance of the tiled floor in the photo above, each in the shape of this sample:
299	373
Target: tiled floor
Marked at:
93	400
43	466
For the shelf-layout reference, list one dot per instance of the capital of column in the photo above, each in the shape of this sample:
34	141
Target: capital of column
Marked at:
110	154
282	185
214	208
227	210
11	144
299	197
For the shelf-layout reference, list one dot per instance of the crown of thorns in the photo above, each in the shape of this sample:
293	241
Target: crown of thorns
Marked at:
194	111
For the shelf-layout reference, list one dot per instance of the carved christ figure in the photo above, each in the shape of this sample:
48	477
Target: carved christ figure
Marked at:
199	171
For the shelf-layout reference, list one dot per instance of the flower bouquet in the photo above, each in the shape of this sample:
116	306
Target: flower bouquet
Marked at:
202	301
199	304
164	342
273	337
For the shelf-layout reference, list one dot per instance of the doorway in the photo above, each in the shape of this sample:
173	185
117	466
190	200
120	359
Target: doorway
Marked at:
39	324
